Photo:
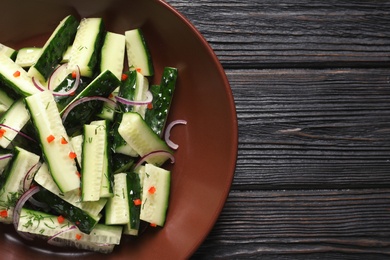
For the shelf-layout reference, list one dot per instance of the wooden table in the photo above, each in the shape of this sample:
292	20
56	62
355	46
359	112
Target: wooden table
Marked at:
311	83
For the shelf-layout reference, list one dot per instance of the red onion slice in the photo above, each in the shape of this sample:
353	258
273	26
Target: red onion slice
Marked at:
74	88
82	100
152	154
19	132
149	99
28	178
52	240
6	156
168	132
54	75
38	84
18	208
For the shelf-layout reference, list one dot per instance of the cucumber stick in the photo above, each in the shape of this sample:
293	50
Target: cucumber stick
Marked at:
53	50
14	77
83	220
155	195
44	178
138	54
113	53
12	180
117	208
8	51
95	175
59	155
103	85
28	56
162	98
121	209
41	223
134	88
112	58
142	139
15	118
86	46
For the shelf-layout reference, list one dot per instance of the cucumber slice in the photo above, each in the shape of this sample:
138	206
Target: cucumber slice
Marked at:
83	220
113	53
16	118
141	138
95	171
5	99
103	85
41	223
58	154
77	143
162	98
12	180
138	54
155	195
8	51
44	178
87	46
106	189
134	88
112	58
134	190
14	77
54	48
28	56
117	208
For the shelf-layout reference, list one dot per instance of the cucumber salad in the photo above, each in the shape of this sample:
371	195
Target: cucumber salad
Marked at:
84	137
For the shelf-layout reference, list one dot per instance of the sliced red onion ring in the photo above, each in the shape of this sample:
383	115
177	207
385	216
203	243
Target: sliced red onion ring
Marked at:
6	156
38	84
74	88
19	132
149	99
168	132
18	208
38	203
52	240
82	100
152	154
28	178
54	75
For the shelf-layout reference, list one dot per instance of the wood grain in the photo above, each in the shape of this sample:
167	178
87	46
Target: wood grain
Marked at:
299	223
311	84
312	128
300	34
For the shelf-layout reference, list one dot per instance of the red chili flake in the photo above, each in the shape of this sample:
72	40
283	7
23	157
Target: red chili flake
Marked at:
137	202
111	95
60	219
124	77
63	140
152	190
74	74
78	236
78	174
153	224
72	93
150	106
50	138
138	69
77	223
72	155
4	213
16	74
2	132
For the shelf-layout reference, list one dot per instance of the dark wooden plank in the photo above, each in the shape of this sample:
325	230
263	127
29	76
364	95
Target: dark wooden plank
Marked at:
284	33
312	128
296	223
